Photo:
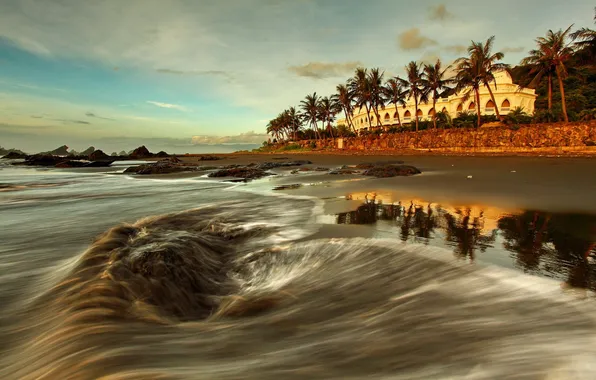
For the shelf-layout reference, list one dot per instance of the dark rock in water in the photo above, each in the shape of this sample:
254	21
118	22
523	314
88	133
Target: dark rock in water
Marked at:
122	154
167	166
342	171
141	152
42	160
162	154
98	155
272	165
377	164
61	151
288	187
114	154
209	158
280	158
317	169
15	155
71	164
99	164
385	171
241	172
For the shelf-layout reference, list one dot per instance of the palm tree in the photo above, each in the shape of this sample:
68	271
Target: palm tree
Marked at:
469	78
540	68
375	82
360	87
415	86
556	51
327	112
586	41
344	99
488	65
396	94
433	79
310	111
294	121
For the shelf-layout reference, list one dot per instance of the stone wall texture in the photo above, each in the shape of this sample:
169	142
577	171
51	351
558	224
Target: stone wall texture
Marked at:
570	137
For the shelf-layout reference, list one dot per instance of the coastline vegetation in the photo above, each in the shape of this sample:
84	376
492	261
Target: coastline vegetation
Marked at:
561	69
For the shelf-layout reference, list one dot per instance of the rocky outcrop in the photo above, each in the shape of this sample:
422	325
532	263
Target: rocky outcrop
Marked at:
246	173
167	166
61	151
14	155
141	152
385	171
273	165
98	155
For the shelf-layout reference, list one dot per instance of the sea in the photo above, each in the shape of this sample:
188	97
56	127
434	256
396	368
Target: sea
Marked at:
106	276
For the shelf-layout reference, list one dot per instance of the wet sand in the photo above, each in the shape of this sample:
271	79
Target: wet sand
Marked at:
543	183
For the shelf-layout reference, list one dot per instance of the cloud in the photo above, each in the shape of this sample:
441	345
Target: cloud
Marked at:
430	57
70	121
439	13
167	105
456	49
411	39
91	114
320	70
244	138
518	49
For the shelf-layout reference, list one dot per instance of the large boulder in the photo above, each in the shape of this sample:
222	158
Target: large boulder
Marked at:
61	151
42	160
98	155
162	154
141	152
87	151
385	171
13	155
167	166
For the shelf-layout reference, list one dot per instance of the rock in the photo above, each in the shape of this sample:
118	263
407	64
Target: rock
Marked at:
114	154
99	164
87	151
385	171
241	172
71	164
98	155
272	165
288	187
166	166
42	160
141	152
61	151
161	153
209	158
15	155
377	164
122	154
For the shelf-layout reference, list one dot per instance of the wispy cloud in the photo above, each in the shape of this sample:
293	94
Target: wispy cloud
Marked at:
439	13
517	49
456	49
321	70
412	39
168	105
91	114
71	121
244	138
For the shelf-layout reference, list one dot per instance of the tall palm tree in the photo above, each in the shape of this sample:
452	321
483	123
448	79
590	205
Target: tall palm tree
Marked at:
415	86
487	61
469	79
540	67
395	93
360	87
294	121
556	51
433	79
586	41
344	99
310	112
327	112
375	82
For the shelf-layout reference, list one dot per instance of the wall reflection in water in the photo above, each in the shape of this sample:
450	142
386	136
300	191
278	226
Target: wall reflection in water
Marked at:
557	245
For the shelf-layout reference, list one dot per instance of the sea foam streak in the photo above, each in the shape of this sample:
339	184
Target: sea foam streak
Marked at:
207	294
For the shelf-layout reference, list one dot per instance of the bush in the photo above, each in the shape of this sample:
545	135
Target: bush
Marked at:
587	115
518	116
465	119
290	147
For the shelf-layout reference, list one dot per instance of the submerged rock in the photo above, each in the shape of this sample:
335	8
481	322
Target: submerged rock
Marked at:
272	165
15	155
71	164
167	166
209	158
385	171
241	172
288	187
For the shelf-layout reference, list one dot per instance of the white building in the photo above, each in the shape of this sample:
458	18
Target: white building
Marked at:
508	96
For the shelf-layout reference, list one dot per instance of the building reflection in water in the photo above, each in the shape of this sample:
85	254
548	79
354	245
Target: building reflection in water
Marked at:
557	245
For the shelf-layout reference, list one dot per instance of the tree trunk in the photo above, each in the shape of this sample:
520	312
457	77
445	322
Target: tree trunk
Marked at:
562	89
368	114
379	122
416	111
435	112
398	118
492	97
550	92
478	105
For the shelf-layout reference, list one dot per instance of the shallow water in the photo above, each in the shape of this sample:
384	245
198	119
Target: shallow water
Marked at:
106	276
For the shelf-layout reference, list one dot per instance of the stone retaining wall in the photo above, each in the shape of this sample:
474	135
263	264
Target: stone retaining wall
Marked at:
540	137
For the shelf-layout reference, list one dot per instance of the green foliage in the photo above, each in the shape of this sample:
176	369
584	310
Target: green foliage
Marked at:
290	147
518	116
465	119
587	115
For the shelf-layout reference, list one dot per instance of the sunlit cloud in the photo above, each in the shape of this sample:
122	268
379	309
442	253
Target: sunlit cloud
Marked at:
412	39
168	105
251	137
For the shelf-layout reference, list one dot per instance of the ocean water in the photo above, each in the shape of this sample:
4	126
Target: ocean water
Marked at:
104	276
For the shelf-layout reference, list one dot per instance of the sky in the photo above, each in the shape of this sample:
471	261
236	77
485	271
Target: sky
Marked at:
201	72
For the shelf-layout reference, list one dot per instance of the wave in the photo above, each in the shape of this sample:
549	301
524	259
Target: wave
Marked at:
207	293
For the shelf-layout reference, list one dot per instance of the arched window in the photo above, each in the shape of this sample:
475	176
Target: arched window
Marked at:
505	106
387	117
490	107
431	112
460	108
407	116
372	119
444	110
472	106
419	114
395	116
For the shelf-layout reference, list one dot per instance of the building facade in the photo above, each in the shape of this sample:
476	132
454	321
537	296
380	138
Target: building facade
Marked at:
508	96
